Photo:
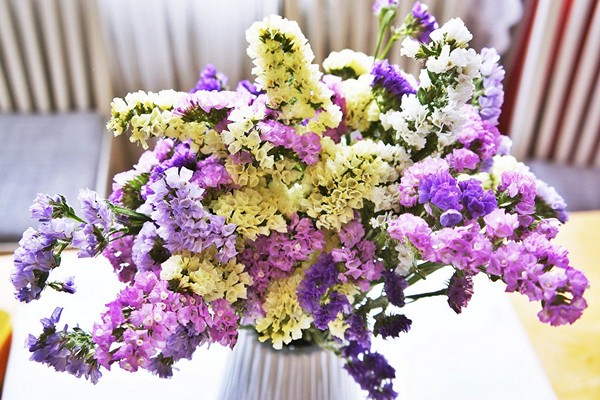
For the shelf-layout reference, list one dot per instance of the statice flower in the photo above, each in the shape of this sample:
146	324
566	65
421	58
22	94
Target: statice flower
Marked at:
460	291
420	23
316	293
440	190
380	5
475	200
391	326
33	261
305	206
148	250
553	200
521	188
44	207
492	97
274	257
373	373
137	324
479	135
394	287
389	84
183	222
211	80
64	350
119	254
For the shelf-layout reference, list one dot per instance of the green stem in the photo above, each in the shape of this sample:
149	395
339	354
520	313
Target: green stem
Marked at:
428	294
423	271
395	37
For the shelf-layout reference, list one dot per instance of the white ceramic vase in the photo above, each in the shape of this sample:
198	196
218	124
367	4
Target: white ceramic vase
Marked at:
256	371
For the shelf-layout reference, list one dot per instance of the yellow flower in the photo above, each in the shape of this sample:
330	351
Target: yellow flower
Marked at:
255	212
203	275
346	176
338	61
284	318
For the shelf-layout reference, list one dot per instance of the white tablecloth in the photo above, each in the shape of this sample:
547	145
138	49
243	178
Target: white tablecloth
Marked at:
483	353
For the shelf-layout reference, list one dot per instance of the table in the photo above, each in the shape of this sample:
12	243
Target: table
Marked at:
484	353
571	354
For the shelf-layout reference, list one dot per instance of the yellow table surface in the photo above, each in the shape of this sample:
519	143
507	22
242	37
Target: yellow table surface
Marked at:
570	354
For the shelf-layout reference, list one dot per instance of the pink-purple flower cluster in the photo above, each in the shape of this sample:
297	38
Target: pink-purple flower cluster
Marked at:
306	145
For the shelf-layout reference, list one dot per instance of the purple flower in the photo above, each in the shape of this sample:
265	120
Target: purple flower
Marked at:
33	260
550	197
362	266
415	174
478	135
351	233
379	5
441	190
391	326
210	80
499	224
89	241
274	256
119	254
70	351
460	291
95	210
394	286
223	327
521	188
462	159
43	207
373	373
328	312
477	202
175	204
209	106
450	218
562	314
490	102
247	86
389	84
318	281
408	227
422	23
464	247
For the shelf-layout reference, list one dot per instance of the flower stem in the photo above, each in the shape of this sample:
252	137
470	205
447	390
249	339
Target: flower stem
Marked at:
428	294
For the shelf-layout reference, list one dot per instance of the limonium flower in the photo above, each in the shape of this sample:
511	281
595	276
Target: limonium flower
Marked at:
304	205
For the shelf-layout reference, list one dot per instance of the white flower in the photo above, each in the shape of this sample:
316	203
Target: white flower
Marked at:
442	63
359	62
424	80
453	30
409	47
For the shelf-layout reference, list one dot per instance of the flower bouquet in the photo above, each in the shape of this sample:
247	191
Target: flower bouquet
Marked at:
303	206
